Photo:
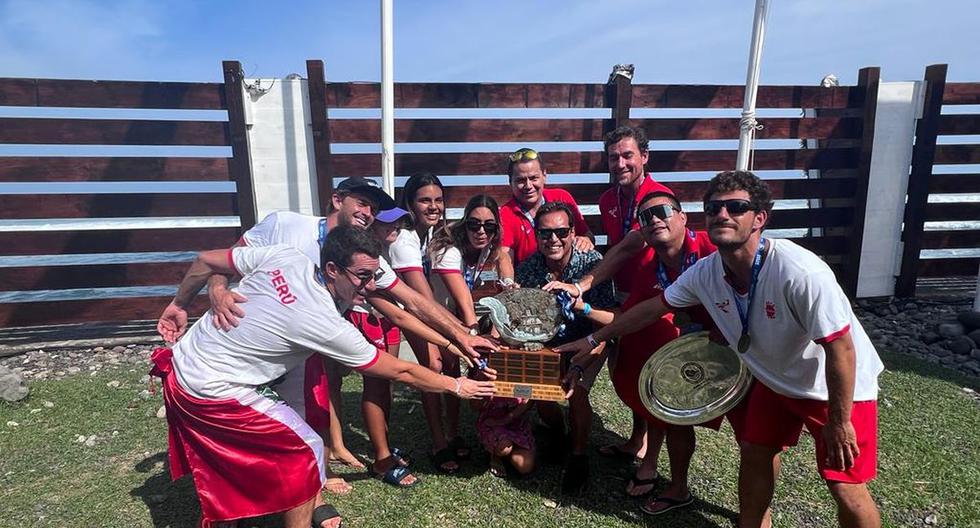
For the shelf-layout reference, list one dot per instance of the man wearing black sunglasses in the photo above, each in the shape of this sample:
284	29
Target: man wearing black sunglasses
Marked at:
780	307
557	258
528	176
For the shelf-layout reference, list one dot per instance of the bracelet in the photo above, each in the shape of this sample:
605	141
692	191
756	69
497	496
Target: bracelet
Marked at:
586	309
592	342
579	288
459	385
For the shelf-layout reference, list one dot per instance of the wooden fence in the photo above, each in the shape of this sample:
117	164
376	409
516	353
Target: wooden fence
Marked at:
825	162
941	118
63	239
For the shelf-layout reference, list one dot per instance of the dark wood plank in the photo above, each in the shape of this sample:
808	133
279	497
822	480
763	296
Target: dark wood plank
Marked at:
957	154
781	219
22	206
467	95
322	133
960	93
719	96
959	124
923	158
954	183
92	276
824	245
518	130
967	238
35	169
110	94
112	132
240	164
579	162
939	212
116	241
101	310
953	267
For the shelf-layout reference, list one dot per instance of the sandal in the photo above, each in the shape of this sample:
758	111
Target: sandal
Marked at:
325	512
637	482
442	457
576	477
395	475
616	451
461	448
402	456
497	467
672	504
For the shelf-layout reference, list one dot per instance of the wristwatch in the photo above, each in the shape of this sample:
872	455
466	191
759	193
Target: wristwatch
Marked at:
474	332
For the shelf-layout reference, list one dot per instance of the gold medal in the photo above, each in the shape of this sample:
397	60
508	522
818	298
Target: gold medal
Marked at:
744	343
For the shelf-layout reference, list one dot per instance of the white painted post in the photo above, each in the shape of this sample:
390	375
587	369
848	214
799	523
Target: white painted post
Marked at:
387	99
899	105
752	85
280	140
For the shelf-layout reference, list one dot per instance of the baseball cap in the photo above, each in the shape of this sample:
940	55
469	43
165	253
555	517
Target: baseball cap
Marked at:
390	216
367	188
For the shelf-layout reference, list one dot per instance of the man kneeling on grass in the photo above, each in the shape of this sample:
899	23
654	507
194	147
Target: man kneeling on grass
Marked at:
249	453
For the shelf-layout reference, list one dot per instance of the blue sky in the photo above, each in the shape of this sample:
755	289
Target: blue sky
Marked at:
698	41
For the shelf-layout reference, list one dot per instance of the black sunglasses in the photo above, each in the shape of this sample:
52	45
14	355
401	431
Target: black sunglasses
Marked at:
734	207
560	232
474	226
364	279
662	211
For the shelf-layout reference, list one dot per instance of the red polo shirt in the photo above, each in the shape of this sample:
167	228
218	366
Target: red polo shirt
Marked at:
636	348
517	231
612	209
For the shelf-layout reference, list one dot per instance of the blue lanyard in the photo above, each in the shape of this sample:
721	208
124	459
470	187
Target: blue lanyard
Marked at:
527	213
322	237
626	212
471	274
689	259
744	311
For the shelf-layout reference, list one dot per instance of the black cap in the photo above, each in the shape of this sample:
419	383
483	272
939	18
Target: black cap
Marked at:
367	188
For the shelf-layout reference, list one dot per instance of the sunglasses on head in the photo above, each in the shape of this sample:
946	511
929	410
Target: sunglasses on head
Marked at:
364	277
524	154
735	207
474	226
560	232
662	211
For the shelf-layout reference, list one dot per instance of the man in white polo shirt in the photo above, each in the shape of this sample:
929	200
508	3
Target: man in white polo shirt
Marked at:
780	307
249	453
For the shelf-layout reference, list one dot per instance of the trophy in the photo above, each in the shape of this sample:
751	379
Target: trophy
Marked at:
526	318
693	380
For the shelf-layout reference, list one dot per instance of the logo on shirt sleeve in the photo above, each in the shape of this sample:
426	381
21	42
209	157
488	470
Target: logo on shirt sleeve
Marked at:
282	288
723	306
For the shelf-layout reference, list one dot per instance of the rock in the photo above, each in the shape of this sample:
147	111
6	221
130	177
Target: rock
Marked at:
47	404
119	349
550	503
961	345
90	441
114	384
81	439
939	351
930	338
162	412
975	336
975	353
931	519
972	366
12	423
969	319
910	307
951	329
12	386
74	370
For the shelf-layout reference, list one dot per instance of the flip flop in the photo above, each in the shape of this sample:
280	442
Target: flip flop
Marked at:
325	512
441	457
401	455
395	475
672	504
637	482
462	449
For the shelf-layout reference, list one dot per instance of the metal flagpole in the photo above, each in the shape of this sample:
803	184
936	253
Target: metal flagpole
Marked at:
749	124
387	99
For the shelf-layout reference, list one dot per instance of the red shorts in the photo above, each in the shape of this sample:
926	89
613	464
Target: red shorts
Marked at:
774	420
379	331
249	455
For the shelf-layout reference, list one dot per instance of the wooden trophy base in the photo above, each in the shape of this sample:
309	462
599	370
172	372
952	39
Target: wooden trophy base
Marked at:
531	375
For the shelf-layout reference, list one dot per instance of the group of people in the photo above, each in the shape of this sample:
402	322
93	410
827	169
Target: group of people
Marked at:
252	389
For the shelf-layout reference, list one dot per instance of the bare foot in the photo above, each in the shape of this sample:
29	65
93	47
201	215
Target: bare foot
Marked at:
337	486
346	458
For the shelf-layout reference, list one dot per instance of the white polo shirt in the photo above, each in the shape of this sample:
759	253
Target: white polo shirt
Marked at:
289	316
405	252
798	305
303	232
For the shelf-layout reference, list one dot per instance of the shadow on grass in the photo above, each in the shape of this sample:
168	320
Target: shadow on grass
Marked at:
170	503
895	361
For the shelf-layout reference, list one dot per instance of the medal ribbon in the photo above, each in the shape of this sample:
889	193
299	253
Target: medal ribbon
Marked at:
744	311
470	274
689	259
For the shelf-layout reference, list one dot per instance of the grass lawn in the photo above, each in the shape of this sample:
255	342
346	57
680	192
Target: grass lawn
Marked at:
929	465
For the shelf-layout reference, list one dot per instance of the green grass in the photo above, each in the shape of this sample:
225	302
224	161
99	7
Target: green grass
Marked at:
929	462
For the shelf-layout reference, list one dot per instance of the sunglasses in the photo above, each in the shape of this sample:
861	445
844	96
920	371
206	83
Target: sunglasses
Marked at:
474	226
524	154
734	207
560	232
364	278
662	211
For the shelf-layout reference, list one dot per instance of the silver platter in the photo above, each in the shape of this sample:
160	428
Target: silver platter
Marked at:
692	380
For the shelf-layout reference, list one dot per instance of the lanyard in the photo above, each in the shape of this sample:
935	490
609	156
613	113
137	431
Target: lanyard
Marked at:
743	311
322	237
689	259
470	274
527	213
424	249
